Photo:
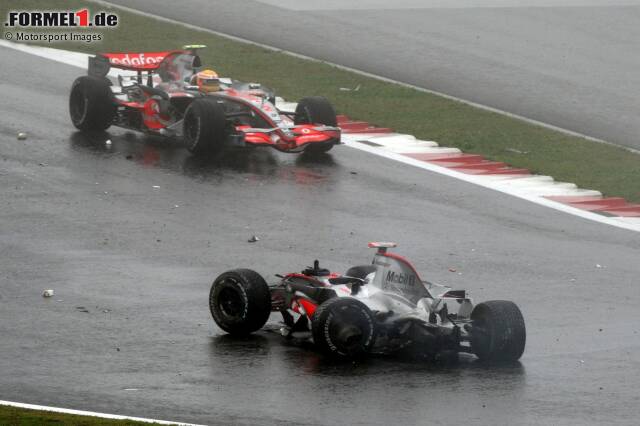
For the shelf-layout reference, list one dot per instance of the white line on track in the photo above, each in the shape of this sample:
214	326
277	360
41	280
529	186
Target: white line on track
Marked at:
531	188
497	185
91	413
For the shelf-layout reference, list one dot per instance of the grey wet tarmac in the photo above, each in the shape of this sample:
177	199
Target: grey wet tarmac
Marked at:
84	219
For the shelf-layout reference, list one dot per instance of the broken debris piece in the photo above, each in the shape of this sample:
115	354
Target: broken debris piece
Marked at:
47	293
516	151
22	136
253	239
349	89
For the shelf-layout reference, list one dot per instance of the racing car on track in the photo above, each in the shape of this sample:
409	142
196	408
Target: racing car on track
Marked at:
380	308
157	94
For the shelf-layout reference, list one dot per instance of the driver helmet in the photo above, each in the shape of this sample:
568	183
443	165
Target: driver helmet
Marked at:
207	81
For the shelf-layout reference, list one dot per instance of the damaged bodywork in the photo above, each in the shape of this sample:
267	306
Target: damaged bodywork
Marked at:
379	308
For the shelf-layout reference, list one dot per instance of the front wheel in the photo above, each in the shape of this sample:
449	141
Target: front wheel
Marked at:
205	126
498	332
343	328
240	301
316	110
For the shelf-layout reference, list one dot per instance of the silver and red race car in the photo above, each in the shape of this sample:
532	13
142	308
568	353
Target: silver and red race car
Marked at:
156	95
380	308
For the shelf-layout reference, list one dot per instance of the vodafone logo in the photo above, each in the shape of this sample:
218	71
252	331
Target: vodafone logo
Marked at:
136	60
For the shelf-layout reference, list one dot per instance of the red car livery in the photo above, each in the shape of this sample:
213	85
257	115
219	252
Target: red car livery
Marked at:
155	95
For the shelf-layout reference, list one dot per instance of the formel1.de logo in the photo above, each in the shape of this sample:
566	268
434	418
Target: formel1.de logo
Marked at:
56	19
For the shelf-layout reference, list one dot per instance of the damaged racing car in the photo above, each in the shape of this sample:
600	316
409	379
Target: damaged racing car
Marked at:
163	93
380	308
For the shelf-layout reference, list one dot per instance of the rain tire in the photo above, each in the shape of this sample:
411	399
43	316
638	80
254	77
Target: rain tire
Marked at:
498	332
343	328
240	301
205	126
316	110
91	104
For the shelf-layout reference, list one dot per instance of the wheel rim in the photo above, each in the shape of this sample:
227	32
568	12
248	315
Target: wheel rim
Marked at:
231	302
348	329
349	336
307	116
191	128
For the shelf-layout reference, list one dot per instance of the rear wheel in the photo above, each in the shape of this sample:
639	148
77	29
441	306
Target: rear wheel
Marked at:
498	332
316	110
344	328
240	301
91	104
205	126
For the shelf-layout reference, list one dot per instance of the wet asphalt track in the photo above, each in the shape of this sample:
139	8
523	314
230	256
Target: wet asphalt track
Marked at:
570	63
85	220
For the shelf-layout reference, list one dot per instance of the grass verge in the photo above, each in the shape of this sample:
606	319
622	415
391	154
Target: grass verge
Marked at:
12	416
612	170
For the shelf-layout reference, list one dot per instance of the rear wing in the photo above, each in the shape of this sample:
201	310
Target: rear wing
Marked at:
145	61
100	64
